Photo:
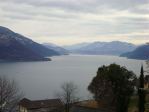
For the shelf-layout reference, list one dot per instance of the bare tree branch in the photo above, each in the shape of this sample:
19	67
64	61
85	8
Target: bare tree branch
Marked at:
9	95
68	94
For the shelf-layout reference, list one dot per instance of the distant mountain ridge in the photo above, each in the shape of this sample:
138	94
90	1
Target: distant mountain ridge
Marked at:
141	52
75	46
56	48
102	48
15	47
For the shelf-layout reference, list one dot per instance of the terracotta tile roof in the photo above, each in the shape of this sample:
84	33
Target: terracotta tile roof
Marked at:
92	104
88	103
40	103
25	102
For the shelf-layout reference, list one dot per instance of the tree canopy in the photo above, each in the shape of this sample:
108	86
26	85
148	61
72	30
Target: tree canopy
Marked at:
113	85
141	91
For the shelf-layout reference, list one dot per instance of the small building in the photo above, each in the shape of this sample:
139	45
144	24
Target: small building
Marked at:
48	105
146	82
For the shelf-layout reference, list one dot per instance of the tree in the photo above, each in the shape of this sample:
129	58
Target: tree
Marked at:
9	95
113	85
141	92
68	94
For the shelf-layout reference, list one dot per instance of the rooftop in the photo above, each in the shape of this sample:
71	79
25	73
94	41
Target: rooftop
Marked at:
35	104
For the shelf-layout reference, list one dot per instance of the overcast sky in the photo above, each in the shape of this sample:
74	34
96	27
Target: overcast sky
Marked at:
73	21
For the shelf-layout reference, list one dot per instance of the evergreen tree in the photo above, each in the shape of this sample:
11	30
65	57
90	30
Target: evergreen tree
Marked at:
141	92
114	86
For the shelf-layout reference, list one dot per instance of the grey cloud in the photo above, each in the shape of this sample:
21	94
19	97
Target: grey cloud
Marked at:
44	17
140	11
134	24
17	17
84	5
21	13
66	5
83	13
133	20
73	7
121	26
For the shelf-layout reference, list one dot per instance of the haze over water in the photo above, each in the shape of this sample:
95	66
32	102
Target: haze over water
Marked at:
40	80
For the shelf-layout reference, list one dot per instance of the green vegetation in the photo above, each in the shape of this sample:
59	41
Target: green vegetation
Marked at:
141	92
114	85
133	105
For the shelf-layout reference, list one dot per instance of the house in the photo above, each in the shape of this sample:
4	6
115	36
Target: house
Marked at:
48	105
91	106
146	82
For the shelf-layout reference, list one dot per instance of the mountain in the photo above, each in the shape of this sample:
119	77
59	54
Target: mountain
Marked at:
104	48
56	48
75	46
141	52
15	47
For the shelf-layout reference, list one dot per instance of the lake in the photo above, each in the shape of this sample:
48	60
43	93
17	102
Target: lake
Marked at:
41	80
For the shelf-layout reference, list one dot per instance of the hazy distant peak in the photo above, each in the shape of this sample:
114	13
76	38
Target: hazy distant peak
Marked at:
56	48
100	48
76	46
141	52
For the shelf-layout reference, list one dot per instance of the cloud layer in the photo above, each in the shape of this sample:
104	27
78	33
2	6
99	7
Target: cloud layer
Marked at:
73	21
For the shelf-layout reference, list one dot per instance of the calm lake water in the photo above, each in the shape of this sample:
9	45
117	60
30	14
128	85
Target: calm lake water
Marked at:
41	80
